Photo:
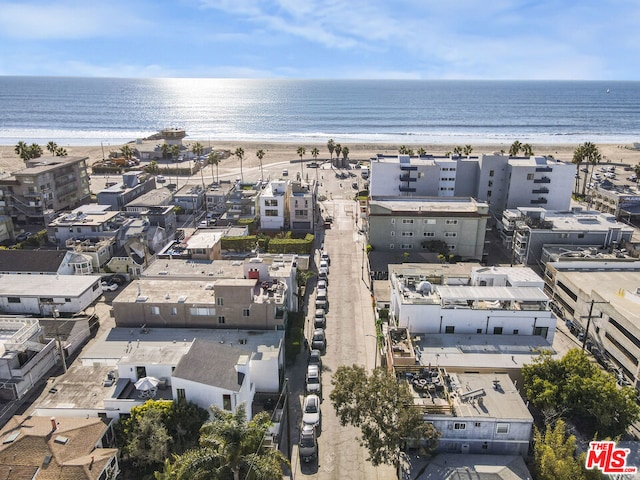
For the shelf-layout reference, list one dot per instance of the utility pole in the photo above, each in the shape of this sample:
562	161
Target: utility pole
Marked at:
286	399
64	360
589	317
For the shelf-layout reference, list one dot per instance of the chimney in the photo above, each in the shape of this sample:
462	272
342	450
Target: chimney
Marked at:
54	424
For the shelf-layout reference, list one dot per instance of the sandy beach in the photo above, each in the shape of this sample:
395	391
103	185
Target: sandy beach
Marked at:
279	152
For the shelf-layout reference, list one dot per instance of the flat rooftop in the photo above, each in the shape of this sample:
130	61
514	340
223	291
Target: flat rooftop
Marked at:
279	266
45	285
81	218
427	205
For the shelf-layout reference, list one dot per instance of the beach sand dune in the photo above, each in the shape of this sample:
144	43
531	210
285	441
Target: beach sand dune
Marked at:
282	152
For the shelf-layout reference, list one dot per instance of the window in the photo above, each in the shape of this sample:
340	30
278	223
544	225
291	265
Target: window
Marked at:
407	221
155	310
489	193
302	213
46	300
477	424
429	234
221	320
406	246
449	329
492	173
407	234
490	184
564	235
219	301
430	221
459	426
530	176
67	300
392	246
450	234
581	235
516	331
271	203
541	331
270	213
202	311
174	311
452	247
13	300
502	428
478	330
181	394
497	330
226	401
393	220
451	222
393	234
245	312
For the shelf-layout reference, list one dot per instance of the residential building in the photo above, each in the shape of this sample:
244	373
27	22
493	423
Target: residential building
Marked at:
602	300
48	295
526	231
216	197
412	224
454	466
199	365
622	202
58	448
495	301
46	186
27	356
274	206
190	198
88	222
499	180
242	204
7	233
160	197
196	245
36	262
90	255
133	185
302	206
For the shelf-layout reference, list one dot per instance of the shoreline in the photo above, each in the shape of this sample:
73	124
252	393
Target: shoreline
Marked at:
287	151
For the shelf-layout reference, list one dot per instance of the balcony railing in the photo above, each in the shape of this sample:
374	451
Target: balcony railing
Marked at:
542	180
539	201
540	190
409	168
402	188
544	169
407	178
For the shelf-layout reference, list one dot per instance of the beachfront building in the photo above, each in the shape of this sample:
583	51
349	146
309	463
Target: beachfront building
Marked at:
602	300
133	185
242	204
499	180
190	198
622	202
412	224
27	356
216	197
494	301
302	206
525	231
46	186
48	295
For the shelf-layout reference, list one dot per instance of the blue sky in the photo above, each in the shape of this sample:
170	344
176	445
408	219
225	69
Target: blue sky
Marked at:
412	39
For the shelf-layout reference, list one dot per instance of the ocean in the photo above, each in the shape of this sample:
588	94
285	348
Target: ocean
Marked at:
88	111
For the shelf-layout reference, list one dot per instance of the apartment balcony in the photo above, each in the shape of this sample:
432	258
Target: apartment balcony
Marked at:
539	201
540	190
409	168
522	237
402	188
542	180
544	169
407	178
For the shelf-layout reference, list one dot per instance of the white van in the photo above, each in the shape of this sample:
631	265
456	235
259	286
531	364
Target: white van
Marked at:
365	172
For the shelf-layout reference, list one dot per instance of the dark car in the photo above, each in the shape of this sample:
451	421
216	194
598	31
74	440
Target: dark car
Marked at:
23	236
318	341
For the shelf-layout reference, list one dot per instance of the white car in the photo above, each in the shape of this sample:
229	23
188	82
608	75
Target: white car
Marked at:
325	256
313	383
324	264
311	411
109	287
160	179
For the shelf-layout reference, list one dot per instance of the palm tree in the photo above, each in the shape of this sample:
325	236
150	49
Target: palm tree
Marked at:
515	148
448	153
22	150
527	150
592	156
331	147
345	155
35	151
260	154
51	147
301	151
402	150
457	150
231	446
314	153
338	150
214	159
240	154
60	152
197	150
421	151
467	150
127	152
578	158
165	148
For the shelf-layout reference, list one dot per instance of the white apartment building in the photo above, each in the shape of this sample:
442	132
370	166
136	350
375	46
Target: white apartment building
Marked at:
406	224
273	205
499	180
495	301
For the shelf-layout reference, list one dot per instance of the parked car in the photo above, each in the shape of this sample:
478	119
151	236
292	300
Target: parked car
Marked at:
315	358
308	445
324	264
318	341
323	271
23	236
311	414
312	382
322	285
319	320
160	179
109	287
322	276
324	256
115	278
285	173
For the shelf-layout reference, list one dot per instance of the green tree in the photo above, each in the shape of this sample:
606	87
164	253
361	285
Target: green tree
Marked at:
301	152
315	152
127	152
575	388
467	149
457	150
554	455
197	150
153	167
60	152
338	150
515	148
214	159
578	158
239	153
527	150
382	407
421	151
592	156
260	154
402	150
231	447
331	146
22	150
175	151
345	153
51	147
165	148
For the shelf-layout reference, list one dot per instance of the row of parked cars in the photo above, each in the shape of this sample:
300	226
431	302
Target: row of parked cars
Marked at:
312	414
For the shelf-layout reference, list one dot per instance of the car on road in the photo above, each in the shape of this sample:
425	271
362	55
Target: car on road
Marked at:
325	256
318	341
109	287
311	414
312	382
308	444
324	264
115	278
285	173
313	165
315	358
160	179
319	319
23	236
322	285
323	277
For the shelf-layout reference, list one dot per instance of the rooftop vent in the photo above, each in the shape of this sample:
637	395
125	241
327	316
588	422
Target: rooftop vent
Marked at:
62	440
141	298
11	437
182	298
